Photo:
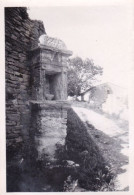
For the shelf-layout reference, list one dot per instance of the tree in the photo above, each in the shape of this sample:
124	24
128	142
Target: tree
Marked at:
82	74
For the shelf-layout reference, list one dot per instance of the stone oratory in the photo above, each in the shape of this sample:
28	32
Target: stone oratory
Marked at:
49	95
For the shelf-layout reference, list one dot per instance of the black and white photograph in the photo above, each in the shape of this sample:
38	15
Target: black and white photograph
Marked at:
67	85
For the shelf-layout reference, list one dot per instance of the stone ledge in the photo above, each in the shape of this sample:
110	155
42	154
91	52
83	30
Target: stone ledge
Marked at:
42	47
47	104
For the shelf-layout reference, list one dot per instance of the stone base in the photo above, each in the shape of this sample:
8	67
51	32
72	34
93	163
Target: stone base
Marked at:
49	120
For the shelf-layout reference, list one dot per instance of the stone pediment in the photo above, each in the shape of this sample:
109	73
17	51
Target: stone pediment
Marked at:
52	42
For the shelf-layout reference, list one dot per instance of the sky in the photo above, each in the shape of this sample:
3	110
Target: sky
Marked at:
101	33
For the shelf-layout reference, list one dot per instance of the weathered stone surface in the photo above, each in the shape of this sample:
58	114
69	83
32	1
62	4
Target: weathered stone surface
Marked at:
49	69
20	34
49	121
52	42
49	78
32	71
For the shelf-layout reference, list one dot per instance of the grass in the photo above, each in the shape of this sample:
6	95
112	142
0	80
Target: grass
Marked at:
95	171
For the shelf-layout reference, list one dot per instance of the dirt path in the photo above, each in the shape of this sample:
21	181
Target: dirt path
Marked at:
112	141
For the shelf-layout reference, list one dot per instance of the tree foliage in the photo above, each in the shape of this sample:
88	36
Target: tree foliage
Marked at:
81	75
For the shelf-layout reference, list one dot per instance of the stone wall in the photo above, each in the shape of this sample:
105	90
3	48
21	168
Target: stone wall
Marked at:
33	130
21	34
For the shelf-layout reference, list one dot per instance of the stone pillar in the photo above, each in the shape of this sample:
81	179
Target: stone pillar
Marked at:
37	76
49	124
48	118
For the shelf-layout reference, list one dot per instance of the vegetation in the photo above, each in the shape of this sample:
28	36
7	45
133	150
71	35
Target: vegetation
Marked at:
95	173
82	74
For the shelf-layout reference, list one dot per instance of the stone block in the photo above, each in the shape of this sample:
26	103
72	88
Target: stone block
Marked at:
19	139
50	127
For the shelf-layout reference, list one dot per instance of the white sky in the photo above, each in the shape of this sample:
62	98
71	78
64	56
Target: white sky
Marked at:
102	33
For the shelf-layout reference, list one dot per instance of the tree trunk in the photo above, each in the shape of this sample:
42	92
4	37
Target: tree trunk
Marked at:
82	98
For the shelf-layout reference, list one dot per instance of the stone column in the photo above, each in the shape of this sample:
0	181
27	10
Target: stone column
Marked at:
37	76
49	118
49	126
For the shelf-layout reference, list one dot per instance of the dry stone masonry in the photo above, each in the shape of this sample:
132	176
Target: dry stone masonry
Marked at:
36	87
36	92
21	34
